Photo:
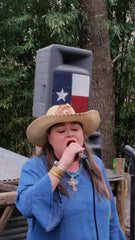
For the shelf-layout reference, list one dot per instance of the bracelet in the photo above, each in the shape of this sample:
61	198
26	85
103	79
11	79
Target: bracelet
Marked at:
57	172
59	165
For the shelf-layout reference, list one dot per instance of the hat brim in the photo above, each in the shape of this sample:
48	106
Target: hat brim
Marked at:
37	130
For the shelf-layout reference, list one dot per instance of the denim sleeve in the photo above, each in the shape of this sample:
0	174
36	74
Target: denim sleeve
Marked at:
115	231
34	195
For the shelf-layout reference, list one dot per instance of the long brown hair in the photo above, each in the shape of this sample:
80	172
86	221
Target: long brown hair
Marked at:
97	176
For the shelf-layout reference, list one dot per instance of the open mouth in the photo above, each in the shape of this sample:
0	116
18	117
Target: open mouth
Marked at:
69	142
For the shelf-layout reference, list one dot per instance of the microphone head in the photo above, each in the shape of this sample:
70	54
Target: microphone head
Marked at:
81	155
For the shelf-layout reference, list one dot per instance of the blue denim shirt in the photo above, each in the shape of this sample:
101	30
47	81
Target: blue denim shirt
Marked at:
54	216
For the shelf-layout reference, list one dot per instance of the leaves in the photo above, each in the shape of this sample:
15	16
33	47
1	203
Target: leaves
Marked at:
27	26
63	26
121	25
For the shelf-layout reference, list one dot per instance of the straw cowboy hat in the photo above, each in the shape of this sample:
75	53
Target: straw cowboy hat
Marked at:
37	130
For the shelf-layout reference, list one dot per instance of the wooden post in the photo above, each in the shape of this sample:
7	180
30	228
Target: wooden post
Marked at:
120	203
117	185
5	217
120	166
4	187
7	198
120	193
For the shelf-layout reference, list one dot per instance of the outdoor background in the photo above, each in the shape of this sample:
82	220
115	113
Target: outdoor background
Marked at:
105	27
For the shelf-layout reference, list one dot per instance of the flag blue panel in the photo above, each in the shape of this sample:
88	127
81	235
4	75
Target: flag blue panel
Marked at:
62	87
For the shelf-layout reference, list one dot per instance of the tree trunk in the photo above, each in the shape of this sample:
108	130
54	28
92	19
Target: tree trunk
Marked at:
95	37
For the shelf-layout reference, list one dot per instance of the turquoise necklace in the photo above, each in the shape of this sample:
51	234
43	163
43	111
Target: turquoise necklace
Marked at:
72	181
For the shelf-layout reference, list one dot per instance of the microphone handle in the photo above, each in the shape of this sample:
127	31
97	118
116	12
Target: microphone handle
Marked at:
81	155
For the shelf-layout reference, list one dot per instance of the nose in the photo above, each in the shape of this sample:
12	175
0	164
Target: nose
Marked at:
69	132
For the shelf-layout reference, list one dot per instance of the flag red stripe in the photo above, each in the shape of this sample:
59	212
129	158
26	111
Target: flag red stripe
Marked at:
80	104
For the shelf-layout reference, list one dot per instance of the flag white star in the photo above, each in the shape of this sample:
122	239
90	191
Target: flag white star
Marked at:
61	95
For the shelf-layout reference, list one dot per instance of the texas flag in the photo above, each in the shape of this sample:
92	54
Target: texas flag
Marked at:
71	88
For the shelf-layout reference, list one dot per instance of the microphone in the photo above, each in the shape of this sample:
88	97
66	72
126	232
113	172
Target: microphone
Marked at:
81	155
129	151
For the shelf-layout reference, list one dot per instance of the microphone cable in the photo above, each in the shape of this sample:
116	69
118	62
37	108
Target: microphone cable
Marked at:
93	189
85	159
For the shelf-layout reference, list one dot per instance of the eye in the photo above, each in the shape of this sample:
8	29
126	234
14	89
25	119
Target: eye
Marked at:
61	131
74	129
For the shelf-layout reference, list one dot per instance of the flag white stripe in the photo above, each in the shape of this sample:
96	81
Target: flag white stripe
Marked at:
80	85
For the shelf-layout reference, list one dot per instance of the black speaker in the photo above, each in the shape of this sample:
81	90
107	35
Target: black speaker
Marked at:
62	75
95	143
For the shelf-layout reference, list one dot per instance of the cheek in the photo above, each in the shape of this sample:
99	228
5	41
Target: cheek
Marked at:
51	139
54	140
81	138
57	145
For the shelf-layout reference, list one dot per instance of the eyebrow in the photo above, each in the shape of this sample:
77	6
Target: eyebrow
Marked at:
63	123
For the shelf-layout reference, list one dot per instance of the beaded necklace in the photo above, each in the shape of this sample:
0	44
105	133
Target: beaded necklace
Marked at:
72	181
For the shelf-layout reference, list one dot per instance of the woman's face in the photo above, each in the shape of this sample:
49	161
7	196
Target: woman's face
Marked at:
62	133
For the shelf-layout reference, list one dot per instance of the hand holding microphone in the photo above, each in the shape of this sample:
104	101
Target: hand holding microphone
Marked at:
72	152
78	154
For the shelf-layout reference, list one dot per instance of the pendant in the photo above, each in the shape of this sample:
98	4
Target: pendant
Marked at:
72	182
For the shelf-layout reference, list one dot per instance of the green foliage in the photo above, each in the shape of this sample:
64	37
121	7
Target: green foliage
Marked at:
25	27
16	75
15	107
29	25
121	25
63	26
63	22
